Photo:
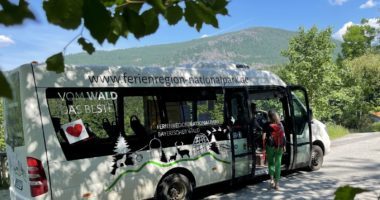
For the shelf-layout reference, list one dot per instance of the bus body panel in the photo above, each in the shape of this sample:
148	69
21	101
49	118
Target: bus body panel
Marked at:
33	142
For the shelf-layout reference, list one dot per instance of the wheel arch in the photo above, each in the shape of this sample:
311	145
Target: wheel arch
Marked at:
179	170
320	144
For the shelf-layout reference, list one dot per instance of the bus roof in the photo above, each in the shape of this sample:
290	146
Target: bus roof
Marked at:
195	75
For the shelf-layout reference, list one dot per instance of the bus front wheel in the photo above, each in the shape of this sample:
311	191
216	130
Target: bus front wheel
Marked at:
175	187
316	158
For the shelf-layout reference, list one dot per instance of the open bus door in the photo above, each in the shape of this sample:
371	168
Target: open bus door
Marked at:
237	115
301	121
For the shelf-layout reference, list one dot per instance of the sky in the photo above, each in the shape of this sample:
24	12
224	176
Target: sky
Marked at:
37	40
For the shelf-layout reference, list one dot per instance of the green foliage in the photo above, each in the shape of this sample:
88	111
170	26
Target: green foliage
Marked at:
5	89
361	77
347	192
357	40
365	71
375	127
2	136
11	14
55	63
311	65
343	93
150	18
173	14
64	13
86	45
97	19
197	13
336	131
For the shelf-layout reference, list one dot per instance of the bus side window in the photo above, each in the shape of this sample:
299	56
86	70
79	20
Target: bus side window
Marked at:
133	114
141	115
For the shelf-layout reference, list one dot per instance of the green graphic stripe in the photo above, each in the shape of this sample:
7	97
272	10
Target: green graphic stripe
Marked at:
159	164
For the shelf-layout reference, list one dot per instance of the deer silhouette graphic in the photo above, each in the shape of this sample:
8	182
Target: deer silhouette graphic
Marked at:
173	157
183	152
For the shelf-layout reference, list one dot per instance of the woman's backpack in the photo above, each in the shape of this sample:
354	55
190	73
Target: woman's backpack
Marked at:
276	137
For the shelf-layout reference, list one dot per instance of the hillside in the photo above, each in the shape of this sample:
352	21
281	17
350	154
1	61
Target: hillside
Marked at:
256	47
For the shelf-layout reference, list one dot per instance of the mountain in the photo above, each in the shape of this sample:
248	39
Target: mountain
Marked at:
256	47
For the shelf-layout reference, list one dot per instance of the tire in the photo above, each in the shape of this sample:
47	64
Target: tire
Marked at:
174	187
316	158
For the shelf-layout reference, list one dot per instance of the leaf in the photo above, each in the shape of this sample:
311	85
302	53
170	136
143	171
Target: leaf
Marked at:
14	14
198	13
136	7
87	46
151	21
118	28
135	23
347	192
208	15
55	63
191	13
97	19
64	13
110	3
173	14
219	6
157	5
5	88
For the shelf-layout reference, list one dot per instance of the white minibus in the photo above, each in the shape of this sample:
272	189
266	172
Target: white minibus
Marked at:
121	132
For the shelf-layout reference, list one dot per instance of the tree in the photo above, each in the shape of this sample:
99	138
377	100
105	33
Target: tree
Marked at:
311	65
357	40
362	77
2	136
110	20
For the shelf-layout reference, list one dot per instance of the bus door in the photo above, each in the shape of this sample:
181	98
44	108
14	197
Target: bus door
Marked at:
238	124
261	100
301	121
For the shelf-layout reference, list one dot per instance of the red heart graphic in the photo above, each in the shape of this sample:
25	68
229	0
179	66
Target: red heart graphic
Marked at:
74	131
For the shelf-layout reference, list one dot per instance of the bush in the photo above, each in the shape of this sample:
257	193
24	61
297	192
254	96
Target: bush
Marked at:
375	126
336	131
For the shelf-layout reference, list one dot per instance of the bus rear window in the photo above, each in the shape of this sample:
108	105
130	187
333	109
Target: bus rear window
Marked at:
84	120
13	119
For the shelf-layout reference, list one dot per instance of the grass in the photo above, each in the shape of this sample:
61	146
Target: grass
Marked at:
375	126
336	131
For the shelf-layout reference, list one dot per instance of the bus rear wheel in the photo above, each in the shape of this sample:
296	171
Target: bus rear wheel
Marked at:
316	158
175	187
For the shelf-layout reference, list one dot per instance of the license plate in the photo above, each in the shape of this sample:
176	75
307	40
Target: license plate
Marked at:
18	184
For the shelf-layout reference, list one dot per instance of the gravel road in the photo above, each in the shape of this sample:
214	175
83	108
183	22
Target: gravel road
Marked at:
354	160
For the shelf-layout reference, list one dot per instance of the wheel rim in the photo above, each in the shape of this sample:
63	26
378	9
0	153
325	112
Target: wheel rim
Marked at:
315	158
177	191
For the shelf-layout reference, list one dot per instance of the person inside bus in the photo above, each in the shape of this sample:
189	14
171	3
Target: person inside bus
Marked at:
274	138
255	127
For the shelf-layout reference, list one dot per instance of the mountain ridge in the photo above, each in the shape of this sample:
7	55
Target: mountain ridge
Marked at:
257	47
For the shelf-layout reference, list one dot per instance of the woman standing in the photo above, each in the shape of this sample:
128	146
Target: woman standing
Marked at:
274	139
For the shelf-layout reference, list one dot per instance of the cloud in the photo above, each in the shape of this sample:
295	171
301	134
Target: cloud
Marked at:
5	41
368	4
373	22
339	34
204	36
337	2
